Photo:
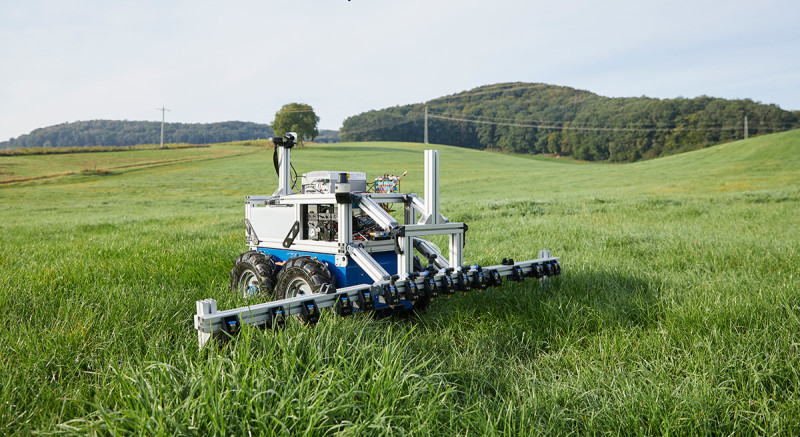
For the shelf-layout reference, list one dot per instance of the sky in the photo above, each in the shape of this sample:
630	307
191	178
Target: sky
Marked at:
210	61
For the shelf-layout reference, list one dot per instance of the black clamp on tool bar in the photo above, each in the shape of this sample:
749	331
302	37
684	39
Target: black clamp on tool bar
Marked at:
365	300
231	325
464	282
431	291
516	271
537	271
518	275
343	306
496	277
309	312
276	318
412	291
390	295
479	278
448	287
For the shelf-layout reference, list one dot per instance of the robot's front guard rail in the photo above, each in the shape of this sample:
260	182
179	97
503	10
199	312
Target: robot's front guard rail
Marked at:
273	315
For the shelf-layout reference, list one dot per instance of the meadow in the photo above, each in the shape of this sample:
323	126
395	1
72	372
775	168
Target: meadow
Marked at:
677	311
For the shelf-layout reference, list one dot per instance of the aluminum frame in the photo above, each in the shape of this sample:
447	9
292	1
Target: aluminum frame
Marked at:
406	238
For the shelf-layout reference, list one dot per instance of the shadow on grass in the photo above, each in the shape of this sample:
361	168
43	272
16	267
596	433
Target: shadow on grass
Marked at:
574	304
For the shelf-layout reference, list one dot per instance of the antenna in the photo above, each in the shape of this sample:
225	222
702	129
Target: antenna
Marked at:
163	111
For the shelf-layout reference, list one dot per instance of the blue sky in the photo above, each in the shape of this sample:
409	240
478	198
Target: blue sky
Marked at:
63	61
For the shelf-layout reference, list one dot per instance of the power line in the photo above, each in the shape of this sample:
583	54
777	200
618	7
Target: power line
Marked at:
383	126
287	111
550	126
584	127
467	94
555	125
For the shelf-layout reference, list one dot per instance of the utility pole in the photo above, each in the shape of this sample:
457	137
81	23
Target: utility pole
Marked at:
426	123
745	127
163	111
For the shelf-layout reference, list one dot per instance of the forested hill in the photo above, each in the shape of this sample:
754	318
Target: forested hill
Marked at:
130	133
541	118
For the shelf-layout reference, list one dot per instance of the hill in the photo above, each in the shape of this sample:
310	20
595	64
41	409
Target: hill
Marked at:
539	118
131	133
676	312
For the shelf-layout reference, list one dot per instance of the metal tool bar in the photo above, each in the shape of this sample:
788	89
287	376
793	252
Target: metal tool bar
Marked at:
209	320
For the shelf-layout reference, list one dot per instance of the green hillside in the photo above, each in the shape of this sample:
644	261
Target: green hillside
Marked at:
93	133
677	312
538	118
130	133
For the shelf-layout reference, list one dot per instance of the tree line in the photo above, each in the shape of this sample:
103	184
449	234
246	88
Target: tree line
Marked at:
131	133
539	118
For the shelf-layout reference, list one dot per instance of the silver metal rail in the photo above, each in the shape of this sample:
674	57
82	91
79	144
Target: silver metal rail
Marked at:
412	287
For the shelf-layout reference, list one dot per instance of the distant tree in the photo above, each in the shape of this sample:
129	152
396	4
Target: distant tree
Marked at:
296	117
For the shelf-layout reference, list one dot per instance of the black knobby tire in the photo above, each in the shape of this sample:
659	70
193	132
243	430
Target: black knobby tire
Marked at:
302	275
253	273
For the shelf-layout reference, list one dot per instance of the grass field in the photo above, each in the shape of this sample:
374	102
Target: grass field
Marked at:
677	312
29	167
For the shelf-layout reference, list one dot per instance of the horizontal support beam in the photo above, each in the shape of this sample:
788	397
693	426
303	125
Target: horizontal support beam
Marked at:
329	199
438	229
388	197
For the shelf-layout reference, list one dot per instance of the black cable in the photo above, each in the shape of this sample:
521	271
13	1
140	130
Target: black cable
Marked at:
294	181
275	160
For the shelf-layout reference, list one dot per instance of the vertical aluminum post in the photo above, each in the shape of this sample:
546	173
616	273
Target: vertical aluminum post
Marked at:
345	237
431	213
284	172
204	307
456	249
405	261
345	212
410	214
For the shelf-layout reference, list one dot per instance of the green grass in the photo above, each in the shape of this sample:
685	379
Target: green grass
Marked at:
677	312
28	167
18	151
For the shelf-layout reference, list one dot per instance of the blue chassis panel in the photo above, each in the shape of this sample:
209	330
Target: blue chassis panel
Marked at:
353	274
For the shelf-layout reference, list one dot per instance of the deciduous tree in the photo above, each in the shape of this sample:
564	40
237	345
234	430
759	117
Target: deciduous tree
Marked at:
296	117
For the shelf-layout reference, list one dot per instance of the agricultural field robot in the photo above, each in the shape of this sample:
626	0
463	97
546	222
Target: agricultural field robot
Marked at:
335	244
